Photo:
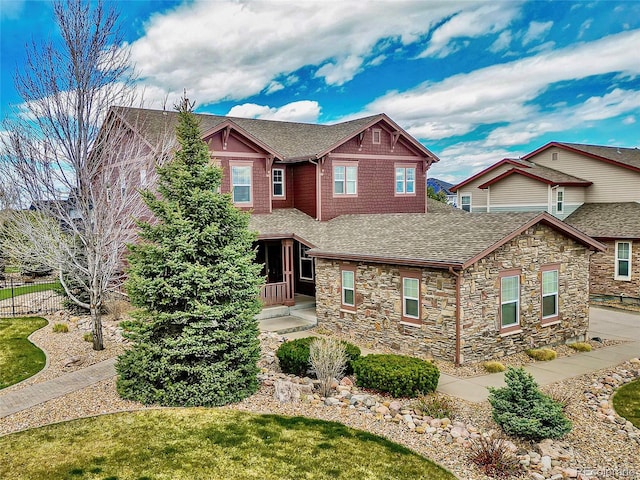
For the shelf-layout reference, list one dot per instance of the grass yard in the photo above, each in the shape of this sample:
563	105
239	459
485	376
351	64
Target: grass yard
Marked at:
19	358
199	443
5	293
626	402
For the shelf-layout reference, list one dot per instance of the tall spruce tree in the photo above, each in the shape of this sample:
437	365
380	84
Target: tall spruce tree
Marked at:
195	340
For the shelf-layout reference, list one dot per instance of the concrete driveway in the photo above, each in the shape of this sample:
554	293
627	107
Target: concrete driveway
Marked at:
614	324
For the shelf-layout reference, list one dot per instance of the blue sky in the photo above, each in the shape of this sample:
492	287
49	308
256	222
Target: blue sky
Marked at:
474	81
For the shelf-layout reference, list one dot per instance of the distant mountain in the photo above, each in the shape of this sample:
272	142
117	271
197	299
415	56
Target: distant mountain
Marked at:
439	185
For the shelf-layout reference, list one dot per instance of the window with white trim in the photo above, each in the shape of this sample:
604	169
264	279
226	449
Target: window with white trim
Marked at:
345	180
465	203
305	264
623	261
277	178
549	294
411	297
241	184
405	180
560	200
509	301
143	178
348	288
376	136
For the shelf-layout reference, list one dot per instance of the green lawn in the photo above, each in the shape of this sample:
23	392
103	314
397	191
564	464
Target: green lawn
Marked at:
39	287
199	443
19	358
626	402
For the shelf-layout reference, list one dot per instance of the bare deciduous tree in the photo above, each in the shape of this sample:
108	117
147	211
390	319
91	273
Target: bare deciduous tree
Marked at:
72	158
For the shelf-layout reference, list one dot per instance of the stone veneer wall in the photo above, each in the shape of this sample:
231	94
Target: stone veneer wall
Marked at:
603	272
376	322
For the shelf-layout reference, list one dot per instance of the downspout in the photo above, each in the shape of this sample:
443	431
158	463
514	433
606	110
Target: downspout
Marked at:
458	326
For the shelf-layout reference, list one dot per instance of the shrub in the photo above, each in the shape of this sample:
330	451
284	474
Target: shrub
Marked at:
328	357
294	356
60	328
542	354
435	406
493	457
494	367
580	346
564	398
522	410
399	375
88	337
117	308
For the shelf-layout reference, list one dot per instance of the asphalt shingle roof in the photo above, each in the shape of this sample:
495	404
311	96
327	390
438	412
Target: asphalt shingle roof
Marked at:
607	220
627	156
550	175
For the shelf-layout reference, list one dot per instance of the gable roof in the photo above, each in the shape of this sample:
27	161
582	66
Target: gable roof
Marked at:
542	174
511	161
287	141
607	220
623	157
417	239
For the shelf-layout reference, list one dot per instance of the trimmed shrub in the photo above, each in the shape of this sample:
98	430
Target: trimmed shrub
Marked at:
493	457
580	346
435	406
399	375
542	354
60	328
522	410
494	367
294	356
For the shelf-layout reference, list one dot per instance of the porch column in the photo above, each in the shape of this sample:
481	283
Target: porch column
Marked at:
287	267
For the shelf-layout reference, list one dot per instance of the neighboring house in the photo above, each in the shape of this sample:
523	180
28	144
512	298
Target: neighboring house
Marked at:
341	214
440	185
594	188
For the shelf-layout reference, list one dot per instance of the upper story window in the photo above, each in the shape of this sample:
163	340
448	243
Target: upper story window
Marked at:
623	261
345	179
277	178
554	156
348	288
560	200
465	203
405	180
241	185
306	263
143	178
549	293
376	136
509	301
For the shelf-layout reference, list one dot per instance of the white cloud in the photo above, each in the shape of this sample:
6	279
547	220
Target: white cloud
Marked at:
302	111
274	87
482	19
536	31
630	120
233	49
502	42
586	25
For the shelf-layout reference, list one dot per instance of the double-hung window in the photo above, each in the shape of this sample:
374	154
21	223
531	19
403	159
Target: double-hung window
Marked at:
405	181
509	301
411	297
241	184
623	261
465	203
306	263
348	289
345	180
560	200
277	175
549	294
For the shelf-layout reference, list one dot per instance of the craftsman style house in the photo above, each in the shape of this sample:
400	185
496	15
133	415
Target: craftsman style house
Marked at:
596	189
341	214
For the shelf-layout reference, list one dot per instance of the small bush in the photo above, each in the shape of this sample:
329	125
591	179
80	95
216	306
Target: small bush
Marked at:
399	375
494	367
60	328
435	406
88	337
493	457
580	346
328	357
542	354
294	356
562	397
118	309
522	410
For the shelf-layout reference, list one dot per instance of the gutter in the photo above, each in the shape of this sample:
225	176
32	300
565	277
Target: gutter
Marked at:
458	326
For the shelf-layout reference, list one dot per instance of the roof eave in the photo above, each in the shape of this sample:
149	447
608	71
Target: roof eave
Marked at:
490	168
580	152
389	260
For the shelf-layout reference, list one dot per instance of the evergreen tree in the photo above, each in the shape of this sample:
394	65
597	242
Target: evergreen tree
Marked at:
195	337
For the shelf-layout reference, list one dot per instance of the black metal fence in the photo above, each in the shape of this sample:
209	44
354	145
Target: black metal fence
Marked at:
19	297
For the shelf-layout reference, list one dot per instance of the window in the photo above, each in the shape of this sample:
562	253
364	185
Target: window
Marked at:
550	293
123	187
345	180
277	175
405	180
411	299
348	288
560	200
143	178
465	203
241	184
554	156
509	301
623	261
376	135
306	263
108	194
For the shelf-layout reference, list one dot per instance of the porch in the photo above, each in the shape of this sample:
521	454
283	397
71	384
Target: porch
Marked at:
286	319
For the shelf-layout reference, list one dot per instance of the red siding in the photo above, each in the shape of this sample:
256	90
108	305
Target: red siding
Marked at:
304	188
288	201
383	148
260	182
